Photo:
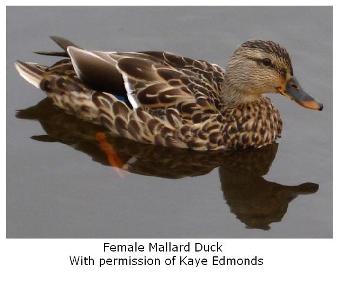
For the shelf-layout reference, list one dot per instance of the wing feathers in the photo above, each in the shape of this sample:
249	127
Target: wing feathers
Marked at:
98	72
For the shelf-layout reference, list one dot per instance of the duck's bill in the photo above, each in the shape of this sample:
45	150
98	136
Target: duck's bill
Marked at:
296	93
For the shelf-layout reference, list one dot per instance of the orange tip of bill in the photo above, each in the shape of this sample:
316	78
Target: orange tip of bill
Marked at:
312	104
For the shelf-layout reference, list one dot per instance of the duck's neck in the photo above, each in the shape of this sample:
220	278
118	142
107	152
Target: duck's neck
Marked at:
233	94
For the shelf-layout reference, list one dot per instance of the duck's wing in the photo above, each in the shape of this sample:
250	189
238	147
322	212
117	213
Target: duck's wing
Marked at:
156	80
151	79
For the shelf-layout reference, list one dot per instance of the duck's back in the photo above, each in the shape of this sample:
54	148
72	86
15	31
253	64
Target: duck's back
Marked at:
149	79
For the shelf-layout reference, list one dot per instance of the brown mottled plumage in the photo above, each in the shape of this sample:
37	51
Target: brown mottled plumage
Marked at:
165	99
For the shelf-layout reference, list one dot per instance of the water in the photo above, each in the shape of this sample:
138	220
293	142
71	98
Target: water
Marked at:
60	182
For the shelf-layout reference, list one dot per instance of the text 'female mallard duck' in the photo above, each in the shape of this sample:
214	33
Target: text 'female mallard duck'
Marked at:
165	99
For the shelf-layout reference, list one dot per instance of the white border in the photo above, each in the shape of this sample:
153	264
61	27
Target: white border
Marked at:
285	259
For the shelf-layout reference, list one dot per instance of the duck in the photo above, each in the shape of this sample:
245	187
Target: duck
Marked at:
161	98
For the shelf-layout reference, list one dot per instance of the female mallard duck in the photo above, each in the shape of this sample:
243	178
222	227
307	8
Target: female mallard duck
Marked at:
165	99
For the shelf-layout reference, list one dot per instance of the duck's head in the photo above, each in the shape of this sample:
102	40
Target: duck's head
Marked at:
258	67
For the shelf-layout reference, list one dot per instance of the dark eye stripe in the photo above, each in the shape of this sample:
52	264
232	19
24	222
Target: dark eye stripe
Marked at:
281	71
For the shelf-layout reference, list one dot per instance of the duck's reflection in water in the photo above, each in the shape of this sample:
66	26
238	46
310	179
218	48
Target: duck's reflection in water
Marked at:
255	201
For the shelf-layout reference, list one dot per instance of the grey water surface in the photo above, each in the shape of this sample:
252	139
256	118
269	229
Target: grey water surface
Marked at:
60	182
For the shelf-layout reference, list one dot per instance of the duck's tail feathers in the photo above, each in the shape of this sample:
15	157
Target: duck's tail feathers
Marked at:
61	42
31	72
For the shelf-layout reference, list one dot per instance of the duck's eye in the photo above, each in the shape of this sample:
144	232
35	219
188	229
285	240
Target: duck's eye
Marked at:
267	62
